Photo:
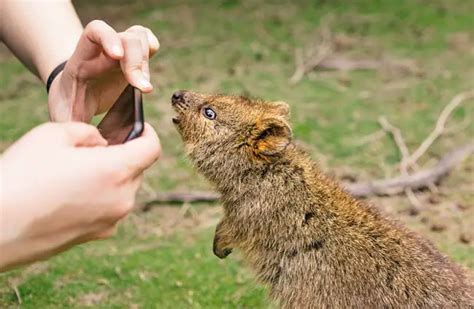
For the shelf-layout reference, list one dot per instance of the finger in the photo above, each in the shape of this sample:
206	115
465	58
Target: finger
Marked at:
80	134
131	63
138	154
100	33
140	32
153	43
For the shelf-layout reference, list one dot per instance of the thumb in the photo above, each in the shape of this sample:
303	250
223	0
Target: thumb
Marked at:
79	134
138	154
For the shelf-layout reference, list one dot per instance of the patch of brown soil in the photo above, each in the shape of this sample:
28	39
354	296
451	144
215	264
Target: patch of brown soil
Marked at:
91	299
166	220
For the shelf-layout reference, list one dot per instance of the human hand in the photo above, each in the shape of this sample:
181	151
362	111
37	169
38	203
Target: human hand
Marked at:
103	63
62	185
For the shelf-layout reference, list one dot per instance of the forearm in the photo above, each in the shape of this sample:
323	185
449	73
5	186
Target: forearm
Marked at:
40	40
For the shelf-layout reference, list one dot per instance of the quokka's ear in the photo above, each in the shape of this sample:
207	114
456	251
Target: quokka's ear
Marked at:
282	108
271	136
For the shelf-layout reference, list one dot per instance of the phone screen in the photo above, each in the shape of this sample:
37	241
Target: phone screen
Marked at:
124	120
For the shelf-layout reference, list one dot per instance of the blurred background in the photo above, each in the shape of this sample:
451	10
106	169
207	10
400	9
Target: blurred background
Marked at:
341	65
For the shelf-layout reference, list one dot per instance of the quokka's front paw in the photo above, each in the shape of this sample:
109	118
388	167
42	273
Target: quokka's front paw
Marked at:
219	247
222	245
222	253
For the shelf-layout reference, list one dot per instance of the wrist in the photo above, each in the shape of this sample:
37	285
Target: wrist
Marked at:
67	97
54	73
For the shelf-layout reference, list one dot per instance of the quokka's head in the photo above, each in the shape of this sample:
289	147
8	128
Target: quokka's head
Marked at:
221	127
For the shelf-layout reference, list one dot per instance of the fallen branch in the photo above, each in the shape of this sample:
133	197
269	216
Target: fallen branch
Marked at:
345	64
320	54
323	61
417	181
180	198
440	125
392	186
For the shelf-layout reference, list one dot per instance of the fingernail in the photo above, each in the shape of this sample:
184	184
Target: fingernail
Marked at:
117	50
144	83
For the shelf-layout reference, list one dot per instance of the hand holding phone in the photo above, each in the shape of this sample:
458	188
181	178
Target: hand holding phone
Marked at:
124	121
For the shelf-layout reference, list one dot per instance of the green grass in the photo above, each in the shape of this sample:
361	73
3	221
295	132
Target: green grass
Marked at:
175	272
247	47
178	271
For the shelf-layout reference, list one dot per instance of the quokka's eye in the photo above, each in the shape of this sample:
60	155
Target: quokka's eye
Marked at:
209	113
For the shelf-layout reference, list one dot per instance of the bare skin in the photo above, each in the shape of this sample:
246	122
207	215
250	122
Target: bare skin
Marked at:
74	189
101	61
61	184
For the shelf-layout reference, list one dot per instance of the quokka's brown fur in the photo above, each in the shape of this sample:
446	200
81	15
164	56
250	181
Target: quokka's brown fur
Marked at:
314	244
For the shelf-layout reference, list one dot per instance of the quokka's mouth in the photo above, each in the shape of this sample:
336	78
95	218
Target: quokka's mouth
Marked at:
178	102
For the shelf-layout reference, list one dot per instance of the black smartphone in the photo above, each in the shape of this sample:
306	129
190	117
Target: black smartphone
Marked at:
124	121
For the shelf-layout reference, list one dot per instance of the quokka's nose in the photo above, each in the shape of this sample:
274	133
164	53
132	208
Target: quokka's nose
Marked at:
178	96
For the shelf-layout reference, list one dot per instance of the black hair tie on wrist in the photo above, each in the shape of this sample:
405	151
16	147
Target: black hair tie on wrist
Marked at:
53	75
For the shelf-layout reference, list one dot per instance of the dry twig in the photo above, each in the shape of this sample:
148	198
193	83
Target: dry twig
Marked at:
181	197
320	49
416	181
375	136
410	161
402	147
320	54
440	125
14	286
345	64
399	141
